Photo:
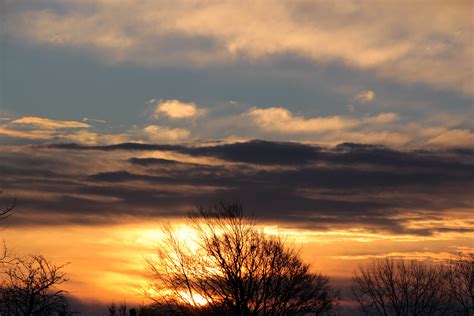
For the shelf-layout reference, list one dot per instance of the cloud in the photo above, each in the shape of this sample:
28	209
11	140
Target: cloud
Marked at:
175	109
274	123
278	119
156	133
365	96
262	152
43	123
389	138
36	134
94	138
43	129
392	39
354	186
82	136
86	119
453	138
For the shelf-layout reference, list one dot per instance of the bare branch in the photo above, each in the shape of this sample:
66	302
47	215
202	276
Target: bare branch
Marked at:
234	267
31	288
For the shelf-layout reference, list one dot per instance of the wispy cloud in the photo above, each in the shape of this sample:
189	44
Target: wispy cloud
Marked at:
453	138
278	119
44	129
44	123
87	119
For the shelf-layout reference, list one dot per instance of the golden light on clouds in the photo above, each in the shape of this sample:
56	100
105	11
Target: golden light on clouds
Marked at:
387	128
433	48
161	134
44	123
278	119
175	109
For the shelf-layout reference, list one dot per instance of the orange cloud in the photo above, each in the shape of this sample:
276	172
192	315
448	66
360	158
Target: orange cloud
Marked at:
37	134
38	128
156	133
278	119
453	138
175	109
44	123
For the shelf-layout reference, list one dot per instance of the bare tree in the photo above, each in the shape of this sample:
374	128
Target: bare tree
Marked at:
30	287
460	276
402	288
231	266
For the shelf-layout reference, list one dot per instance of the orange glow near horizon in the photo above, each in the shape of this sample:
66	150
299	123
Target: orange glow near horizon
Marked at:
194	299
108	262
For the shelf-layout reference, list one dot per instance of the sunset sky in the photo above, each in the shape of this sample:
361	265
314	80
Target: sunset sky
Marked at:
346	126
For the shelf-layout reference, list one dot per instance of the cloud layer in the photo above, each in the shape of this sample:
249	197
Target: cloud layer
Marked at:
407	41
272	123
369	187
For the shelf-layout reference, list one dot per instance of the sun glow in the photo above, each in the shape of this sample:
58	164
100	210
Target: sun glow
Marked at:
110	265
194	299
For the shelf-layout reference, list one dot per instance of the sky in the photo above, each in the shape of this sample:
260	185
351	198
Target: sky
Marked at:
345	125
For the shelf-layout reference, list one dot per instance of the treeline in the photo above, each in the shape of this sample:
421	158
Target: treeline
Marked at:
383	287
403	288
231	267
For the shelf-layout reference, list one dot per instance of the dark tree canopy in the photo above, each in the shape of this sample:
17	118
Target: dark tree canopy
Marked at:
231	266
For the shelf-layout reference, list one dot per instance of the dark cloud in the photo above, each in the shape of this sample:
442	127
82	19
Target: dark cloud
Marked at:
256	151
368	186
153	161
260	152
289	153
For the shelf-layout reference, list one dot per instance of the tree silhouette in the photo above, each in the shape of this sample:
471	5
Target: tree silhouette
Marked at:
231	266
31	288
121	310
461	283
412	288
